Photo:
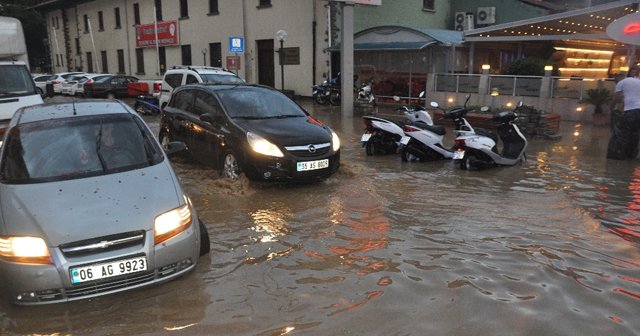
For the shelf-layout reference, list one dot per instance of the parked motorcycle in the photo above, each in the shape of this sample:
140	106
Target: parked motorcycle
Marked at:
423	141
321	93
474	150
381	136
365	94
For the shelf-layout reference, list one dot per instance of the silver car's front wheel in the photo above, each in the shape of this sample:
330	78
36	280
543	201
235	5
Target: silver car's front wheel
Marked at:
231	168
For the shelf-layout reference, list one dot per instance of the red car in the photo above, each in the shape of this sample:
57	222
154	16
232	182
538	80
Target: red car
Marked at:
109	87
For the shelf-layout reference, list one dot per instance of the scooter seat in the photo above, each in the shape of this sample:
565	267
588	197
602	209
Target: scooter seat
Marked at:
437	129
489	134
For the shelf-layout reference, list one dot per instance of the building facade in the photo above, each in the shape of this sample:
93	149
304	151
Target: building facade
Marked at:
113	37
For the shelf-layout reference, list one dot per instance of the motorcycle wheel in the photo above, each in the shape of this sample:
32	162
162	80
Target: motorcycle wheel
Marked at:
406	156
334	99
320	99
469	162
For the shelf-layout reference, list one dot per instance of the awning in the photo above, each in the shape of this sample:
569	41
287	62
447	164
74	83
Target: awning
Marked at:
387	46
581	25
399	38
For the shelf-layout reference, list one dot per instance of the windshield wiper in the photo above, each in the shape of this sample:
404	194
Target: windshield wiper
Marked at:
288	116
98	146
251	117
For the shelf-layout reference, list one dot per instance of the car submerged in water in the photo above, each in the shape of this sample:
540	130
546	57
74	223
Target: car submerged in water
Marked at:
90	205
252	129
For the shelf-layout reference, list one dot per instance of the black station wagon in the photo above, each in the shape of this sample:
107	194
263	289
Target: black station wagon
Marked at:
250	129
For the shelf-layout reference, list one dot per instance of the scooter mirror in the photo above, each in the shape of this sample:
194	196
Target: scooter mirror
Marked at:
520	103
484	108
434	104
421	94
396	98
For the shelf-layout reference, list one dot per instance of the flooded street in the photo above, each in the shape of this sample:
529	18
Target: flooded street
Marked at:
550	247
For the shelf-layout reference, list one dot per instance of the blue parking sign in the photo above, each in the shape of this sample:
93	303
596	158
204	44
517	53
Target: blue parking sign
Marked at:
236	44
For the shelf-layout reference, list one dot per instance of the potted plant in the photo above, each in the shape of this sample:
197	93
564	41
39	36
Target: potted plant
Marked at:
598	97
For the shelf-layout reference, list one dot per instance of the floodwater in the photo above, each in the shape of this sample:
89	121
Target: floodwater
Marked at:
550	247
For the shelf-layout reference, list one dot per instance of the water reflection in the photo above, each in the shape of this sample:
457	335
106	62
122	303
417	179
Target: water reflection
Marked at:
270	223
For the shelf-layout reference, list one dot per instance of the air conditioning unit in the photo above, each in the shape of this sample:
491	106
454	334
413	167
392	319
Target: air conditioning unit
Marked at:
468	22
459	21
486	15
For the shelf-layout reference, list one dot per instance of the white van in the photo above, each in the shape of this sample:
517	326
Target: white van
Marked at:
17	88
180	75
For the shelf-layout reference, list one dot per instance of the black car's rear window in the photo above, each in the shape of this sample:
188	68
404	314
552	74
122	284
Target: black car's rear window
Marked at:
258	103
78	147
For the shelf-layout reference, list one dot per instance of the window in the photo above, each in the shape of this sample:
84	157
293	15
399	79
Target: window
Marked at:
213	7
428	4
191	79
215	54
105	66
140	61
136	13
86	23
183	100
158	4
162	57
264	3
186	54
184	9
173	80
78	51
120	53
116	13
89	61
100	21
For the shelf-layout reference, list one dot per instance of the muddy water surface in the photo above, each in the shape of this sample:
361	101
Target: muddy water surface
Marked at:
391	248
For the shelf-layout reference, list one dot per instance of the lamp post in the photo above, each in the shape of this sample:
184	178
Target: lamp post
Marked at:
204	56
281	35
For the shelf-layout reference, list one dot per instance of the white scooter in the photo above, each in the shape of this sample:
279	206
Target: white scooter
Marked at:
381	136
423	140
475	150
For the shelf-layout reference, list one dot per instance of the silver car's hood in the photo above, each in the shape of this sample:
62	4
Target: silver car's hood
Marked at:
68	211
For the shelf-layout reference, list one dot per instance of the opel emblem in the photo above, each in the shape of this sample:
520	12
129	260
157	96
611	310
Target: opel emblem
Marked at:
312	149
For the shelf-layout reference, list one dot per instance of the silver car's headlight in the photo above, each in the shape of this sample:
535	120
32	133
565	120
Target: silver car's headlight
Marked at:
171	223
335	141
28	250
263	146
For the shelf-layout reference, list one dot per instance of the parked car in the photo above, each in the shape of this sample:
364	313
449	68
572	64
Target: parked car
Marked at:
90	205
109	87
180	75
41	82
252	129
78	89
54	83
70	83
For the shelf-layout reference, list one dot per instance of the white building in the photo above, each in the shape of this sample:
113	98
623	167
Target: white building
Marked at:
106	36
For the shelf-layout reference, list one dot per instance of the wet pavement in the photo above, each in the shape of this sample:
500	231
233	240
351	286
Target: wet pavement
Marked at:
391	248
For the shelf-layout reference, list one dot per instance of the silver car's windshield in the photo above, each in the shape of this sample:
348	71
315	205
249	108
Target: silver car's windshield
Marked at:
257	103
76	147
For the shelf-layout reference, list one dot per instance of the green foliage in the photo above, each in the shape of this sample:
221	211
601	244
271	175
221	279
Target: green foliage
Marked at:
527	67
597	97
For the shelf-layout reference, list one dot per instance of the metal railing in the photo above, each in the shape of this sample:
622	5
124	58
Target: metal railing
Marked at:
528	86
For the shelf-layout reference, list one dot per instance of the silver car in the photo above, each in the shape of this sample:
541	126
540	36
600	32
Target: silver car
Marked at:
89	205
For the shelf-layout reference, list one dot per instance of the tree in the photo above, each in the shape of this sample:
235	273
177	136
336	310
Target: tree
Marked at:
34	27
527	67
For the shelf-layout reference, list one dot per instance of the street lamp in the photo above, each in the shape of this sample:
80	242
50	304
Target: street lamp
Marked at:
204	56
281	35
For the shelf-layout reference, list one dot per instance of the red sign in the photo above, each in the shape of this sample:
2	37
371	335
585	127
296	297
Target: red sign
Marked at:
167	34
233	62
626	29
